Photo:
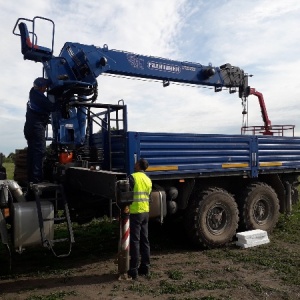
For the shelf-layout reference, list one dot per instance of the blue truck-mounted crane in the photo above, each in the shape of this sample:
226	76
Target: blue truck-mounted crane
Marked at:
216	182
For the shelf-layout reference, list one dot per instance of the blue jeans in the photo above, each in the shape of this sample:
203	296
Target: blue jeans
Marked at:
139	244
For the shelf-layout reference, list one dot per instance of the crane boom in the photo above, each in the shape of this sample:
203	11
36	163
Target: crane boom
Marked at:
87	61
78	66
73	74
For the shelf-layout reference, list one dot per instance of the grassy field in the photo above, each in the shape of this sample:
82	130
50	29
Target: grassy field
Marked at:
178	271
9	170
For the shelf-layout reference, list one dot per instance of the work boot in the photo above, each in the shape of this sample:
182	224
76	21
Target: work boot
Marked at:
143	270
133	274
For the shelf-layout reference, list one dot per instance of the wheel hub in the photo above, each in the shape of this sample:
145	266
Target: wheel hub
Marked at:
216	219
261	211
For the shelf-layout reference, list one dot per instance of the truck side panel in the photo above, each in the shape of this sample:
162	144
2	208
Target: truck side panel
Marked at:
185	155
173	155
278	153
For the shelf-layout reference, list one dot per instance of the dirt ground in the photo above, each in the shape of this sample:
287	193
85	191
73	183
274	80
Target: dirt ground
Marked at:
99	280
180	273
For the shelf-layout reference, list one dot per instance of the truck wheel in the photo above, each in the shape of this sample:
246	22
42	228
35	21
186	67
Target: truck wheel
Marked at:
259	207
212	218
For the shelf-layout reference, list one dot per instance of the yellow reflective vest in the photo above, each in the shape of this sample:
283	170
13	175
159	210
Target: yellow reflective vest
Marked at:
141	191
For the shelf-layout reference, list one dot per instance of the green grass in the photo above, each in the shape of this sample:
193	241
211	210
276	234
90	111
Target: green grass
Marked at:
283	258
53	296
175	274
10	167
170	287
98	240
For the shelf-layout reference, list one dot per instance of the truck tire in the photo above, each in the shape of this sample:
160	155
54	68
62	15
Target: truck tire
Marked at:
212	218
259	207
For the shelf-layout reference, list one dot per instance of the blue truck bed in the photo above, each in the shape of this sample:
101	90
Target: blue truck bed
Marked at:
173	155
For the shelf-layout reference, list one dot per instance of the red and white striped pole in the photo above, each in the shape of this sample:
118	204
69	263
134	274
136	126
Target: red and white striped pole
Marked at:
124	198
123	257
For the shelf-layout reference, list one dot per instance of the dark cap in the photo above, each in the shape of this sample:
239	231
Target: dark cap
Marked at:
143	163
41	82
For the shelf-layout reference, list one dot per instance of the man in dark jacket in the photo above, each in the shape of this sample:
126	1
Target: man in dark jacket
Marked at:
38	112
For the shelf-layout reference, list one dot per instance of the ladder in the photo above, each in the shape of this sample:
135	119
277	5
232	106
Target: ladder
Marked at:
54	193
116	126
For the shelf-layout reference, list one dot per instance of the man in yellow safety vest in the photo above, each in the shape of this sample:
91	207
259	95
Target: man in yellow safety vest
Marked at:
141	185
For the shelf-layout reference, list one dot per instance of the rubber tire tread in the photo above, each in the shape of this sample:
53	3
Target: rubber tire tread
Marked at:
200	202
246	207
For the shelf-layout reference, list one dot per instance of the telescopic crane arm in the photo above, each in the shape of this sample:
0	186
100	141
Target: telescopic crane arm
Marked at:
73	74
88	61
78	66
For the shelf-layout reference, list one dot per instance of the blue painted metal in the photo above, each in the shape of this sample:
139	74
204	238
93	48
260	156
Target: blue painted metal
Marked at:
198	155
190	153
80	65
280	150
254	157
136	65
74	72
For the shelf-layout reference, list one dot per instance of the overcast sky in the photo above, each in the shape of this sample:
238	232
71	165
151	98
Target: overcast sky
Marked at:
259	36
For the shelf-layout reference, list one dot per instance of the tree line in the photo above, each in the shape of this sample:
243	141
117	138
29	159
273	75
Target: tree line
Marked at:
10	158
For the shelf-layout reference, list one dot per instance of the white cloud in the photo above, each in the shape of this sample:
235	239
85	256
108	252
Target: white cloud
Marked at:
258	36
